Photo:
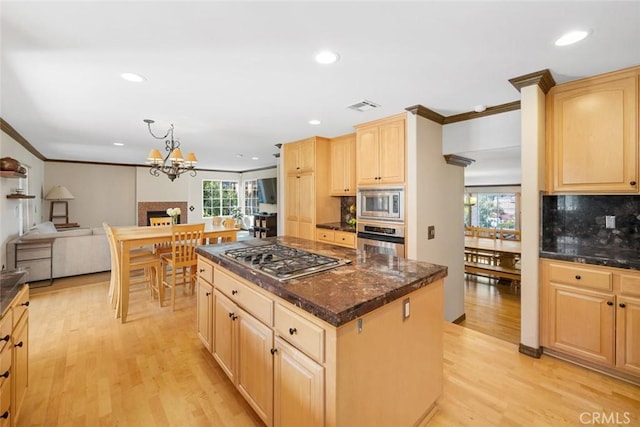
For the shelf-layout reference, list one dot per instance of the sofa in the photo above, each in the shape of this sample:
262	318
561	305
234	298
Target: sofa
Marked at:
76	251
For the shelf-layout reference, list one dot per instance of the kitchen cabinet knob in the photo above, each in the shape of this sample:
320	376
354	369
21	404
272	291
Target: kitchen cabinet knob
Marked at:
292	331
609	303
231	314
26	304
234	317
233	292
633	183
622	305
5	415
578	277
19	344
5	375
274	350
5	338
202	270
208	293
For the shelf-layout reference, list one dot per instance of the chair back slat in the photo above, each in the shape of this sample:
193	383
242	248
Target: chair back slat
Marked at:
185	239
490	233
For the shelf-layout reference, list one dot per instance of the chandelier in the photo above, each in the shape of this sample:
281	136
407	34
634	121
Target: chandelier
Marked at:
173	165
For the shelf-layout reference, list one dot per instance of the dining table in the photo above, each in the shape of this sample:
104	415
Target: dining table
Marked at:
131	237
507	251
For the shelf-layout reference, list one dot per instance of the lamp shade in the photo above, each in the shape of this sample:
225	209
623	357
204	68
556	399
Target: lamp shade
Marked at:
176	156
59	192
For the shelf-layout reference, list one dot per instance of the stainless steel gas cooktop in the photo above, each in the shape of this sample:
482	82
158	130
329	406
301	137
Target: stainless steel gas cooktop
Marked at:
283	262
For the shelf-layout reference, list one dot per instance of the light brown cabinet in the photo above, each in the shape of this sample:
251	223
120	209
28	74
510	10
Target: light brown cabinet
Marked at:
343	165
590	312
336	237
205	313
380	152
307	187
592	134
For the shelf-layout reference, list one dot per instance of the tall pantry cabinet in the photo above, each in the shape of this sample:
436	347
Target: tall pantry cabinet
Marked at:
307	187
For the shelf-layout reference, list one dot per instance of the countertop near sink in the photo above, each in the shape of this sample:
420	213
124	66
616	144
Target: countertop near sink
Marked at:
610	257
344	293
340	226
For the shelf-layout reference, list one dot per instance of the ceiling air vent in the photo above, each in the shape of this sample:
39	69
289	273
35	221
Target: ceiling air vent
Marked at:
363	105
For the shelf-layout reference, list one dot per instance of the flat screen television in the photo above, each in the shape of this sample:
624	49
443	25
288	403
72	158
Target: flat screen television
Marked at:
268	190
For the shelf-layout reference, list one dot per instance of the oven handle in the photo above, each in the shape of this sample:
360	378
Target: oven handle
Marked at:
381	238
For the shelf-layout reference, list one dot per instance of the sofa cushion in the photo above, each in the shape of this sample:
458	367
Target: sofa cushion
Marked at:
45	227
73	233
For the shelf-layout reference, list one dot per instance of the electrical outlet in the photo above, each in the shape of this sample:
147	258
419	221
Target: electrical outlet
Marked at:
610	221
406	311
431	232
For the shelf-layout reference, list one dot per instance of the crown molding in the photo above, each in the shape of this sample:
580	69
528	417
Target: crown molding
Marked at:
454	159
426	113
496	109
9	130
543	79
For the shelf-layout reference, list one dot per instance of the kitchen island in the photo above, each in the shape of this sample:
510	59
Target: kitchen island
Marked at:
359	344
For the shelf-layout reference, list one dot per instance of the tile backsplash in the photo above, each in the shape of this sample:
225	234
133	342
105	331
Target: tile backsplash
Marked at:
591	223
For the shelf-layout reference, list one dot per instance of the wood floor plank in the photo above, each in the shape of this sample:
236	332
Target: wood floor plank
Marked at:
88	369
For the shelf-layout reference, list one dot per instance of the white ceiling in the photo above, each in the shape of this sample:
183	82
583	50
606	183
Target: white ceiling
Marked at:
238	77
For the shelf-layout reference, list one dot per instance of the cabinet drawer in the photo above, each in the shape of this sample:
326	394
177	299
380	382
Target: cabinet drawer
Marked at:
258	305
629	285
304	335
323	235
20	305
580	276
205	270
345	238
6	326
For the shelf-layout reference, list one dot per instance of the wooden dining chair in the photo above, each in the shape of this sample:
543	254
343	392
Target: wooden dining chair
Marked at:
139	259
161	248
469	230
487	233
178	268
509	234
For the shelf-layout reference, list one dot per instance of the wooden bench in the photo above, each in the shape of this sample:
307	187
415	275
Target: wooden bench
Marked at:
492	270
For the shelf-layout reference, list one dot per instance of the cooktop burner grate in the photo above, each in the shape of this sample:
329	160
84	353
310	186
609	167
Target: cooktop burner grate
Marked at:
283	262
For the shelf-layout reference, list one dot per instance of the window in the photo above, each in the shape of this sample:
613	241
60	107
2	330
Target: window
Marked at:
492	209
251	197
219	197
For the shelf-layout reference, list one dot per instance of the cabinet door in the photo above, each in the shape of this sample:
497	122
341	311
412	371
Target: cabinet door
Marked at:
581	323
628	334
291	153
306	155
19	368
298	388
367	155
292	204
392	149
205	313
343	177
224	313
593	135
255	364
307	206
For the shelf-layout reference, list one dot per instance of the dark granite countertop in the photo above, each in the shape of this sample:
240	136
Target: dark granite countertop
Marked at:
340	226
342	294
9	289
610	257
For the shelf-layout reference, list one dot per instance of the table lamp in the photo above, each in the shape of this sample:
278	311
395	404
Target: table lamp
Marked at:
59	195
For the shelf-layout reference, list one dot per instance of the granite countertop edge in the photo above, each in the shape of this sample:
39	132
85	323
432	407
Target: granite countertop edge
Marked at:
592	260
7	297
339	226
334	318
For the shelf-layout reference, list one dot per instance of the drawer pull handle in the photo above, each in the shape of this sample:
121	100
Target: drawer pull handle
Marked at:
632	183
5	338
578	277
622	305
19	344
292	331
26	304
274	350
234	292
5	415
609	303
202	270
5	375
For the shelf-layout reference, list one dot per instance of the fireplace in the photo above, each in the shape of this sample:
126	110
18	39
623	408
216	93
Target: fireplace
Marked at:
159	209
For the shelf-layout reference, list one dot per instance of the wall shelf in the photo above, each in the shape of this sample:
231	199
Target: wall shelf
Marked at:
12	174
20	196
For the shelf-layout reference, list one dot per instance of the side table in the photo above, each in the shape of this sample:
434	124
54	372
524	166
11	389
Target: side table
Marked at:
34	251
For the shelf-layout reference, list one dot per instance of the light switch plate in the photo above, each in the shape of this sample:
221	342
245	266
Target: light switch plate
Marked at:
610	221
431	232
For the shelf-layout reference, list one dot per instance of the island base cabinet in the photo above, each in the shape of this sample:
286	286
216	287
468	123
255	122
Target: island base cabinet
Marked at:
20	365
298	388
223	327
205	313
628	333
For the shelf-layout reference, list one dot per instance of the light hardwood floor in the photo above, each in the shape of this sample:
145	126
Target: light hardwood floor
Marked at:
87	369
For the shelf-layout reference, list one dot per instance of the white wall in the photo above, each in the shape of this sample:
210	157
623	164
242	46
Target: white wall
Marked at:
17	214
435	193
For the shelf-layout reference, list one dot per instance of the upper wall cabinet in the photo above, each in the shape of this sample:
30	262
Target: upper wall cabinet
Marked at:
343	165
300	156
592	134
380	152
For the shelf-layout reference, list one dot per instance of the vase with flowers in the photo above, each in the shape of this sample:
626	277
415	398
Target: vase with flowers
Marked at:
174	213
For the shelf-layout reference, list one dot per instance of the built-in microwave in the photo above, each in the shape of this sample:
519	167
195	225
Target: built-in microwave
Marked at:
381	203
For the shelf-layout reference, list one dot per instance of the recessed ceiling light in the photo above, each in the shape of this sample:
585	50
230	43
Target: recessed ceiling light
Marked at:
571	38
132	77
326	57
314	122
254	158
118	144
